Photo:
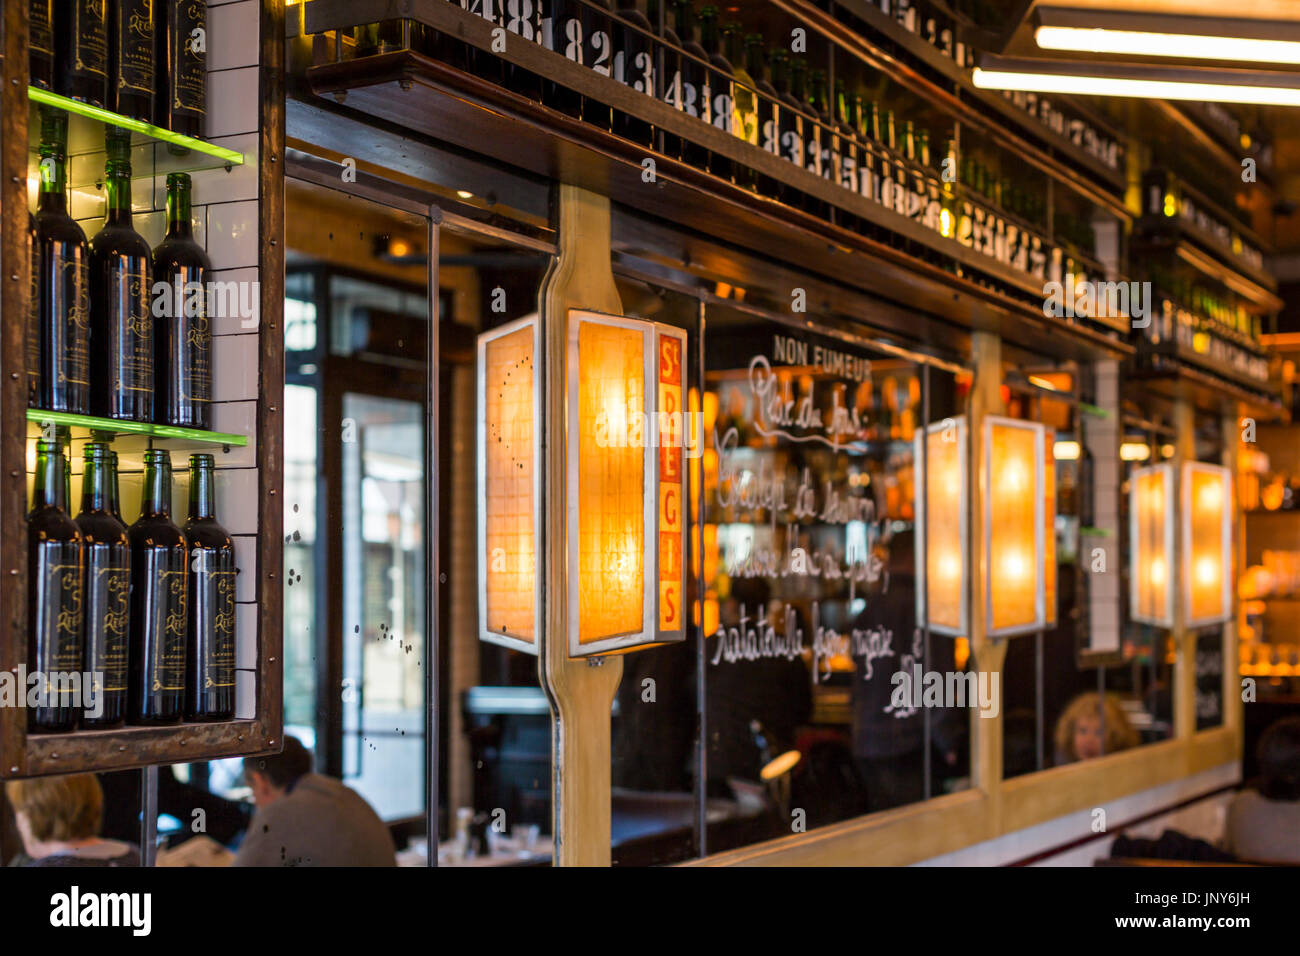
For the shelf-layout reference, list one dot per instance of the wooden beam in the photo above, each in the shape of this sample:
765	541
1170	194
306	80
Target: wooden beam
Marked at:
581	692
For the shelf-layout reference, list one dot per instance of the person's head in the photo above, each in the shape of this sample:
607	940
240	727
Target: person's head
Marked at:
1278	753
1079	729
271	777
56	810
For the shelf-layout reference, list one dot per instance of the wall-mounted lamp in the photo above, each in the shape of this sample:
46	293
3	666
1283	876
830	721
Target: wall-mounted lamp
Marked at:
1207	543
1019	513
624	485
942	526
1151	545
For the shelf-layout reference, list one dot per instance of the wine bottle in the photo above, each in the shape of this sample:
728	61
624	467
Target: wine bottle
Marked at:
668	54
210	652
183	334
866	149
847	172
32	338
131	58
40	43
159	593
718	87
819	146
107	589
81	51
694	80
62	283
634	66
563	35
122	328
744	102
598	35
114	497
789	114
181	27
54	563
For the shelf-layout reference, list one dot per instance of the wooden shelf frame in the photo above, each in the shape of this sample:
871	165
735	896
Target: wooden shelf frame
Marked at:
23	754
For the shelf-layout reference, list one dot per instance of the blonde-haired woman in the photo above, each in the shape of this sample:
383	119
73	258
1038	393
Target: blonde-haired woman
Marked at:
1079	729
59	819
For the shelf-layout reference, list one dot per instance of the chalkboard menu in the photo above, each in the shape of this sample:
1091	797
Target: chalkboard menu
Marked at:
809	567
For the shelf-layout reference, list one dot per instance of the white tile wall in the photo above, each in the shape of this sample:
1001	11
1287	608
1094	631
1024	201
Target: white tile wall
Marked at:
232	35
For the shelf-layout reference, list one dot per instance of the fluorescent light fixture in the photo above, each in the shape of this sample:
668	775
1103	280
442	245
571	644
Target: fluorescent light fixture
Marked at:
1142	34
1147	82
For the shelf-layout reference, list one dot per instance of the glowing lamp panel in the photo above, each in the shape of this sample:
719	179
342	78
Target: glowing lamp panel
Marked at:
507	465
944	525
1208	534
1015	526
1151	511
611	481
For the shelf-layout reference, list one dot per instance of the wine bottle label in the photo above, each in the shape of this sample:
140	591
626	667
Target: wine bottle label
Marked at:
214	613
40	31
90	37
129	297
135	47
57	619
108	591
169	626
71	356
188	80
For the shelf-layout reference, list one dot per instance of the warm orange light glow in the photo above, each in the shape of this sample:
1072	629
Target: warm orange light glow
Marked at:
610	482
1151	544
1017	515
508	589
1049	534
1207	529
940	467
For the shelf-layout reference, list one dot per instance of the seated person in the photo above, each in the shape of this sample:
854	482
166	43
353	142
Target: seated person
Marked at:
1264	821
59	818
306	819
1079	729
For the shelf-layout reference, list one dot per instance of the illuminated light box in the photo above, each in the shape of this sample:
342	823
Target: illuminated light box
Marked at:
1017	515
942	526
1207	544
508	472
1151	545
625	483
1049	533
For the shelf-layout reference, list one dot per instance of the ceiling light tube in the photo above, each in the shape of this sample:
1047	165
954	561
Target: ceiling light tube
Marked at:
1148	82
1144	34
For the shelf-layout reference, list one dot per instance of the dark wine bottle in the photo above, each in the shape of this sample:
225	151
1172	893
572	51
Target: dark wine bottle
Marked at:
122	330
718	85
132	59
107	589
634	66
81	50
847	174
790	116
54	564
694	81
114	497
180	27
40	43
32	339
562	34
183	334
598	35
210	654
668	61
62	264
826	142
159	593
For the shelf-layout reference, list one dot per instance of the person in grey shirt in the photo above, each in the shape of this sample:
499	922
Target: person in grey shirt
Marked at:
306	819
1263	822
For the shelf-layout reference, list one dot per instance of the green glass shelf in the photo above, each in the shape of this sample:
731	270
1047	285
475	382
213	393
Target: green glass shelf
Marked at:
155	151
91	423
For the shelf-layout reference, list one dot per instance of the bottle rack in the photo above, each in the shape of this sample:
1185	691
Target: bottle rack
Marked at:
246	407
1009	259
